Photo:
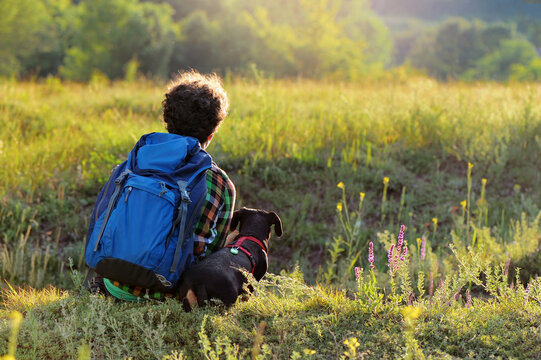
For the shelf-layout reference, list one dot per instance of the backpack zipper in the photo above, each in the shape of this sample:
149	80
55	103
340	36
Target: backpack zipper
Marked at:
104	194
164	189
130	188
118	181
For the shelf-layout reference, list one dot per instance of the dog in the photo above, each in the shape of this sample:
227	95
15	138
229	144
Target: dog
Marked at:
219	275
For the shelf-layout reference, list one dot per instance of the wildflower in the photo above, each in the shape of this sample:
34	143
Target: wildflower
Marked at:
357	273
404	254
463	203
423	248
309	352
454	209
352	344
390	256
470	165
457	295
341	185
371	254
442	283
435	222
339	207
400	239
362	196
516	188
385	180
411	312
484	181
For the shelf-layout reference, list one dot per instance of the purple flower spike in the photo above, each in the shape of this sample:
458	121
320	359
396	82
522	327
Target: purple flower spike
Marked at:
400	239
423	248
357	273
404	254
371	254
391	255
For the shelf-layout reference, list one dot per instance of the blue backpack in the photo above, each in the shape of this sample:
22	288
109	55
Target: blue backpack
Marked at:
141	229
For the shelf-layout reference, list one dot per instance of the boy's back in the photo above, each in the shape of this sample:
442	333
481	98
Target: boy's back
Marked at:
193	108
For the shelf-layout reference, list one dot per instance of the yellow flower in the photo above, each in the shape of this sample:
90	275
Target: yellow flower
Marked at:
517	187
435	221
411	312
339	206
484	181
16	318
352	343
362	196
463	203
309	351
470	165
341	185
385	180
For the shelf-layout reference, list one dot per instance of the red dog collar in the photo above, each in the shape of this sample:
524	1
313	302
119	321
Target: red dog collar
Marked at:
237	245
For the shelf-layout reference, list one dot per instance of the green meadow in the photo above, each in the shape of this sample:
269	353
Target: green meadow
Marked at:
344	164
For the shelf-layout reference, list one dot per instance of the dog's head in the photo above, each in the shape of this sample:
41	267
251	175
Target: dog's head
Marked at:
257	223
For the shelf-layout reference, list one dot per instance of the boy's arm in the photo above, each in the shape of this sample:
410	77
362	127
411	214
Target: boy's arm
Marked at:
213	225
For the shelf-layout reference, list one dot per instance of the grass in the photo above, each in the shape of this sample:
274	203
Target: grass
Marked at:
286	145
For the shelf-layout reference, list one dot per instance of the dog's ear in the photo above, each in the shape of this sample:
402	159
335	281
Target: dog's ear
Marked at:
237	217
277	222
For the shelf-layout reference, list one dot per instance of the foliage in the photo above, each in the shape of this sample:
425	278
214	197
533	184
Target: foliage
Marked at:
108	34
337	39
499	65
438	10
284	318
457	46
20	23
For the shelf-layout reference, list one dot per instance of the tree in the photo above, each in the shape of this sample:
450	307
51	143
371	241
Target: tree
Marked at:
53	37
20	22
499	65
110	33
319	38
456	46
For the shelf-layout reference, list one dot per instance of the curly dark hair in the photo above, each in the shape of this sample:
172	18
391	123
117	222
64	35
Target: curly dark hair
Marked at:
195	105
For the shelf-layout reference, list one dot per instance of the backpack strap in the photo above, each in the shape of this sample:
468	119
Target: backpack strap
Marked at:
119	181
182	214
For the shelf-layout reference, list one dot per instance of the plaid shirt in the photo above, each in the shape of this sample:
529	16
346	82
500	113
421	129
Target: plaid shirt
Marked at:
213	226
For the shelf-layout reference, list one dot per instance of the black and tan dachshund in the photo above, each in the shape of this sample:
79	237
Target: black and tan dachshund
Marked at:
218	276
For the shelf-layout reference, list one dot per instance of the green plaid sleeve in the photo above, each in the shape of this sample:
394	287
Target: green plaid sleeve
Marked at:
213	226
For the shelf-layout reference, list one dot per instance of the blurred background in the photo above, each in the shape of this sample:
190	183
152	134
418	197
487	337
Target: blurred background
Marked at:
349	39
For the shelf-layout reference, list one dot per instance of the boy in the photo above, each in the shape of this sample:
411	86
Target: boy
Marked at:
194	106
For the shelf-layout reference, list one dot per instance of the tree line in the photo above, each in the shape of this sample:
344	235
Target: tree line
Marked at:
309	38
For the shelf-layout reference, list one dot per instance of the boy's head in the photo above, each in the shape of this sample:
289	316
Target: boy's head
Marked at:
195	105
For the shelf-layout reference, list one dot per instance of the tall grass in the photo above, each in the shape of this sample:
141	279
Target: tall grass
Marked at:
54	132
399	151
286	144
